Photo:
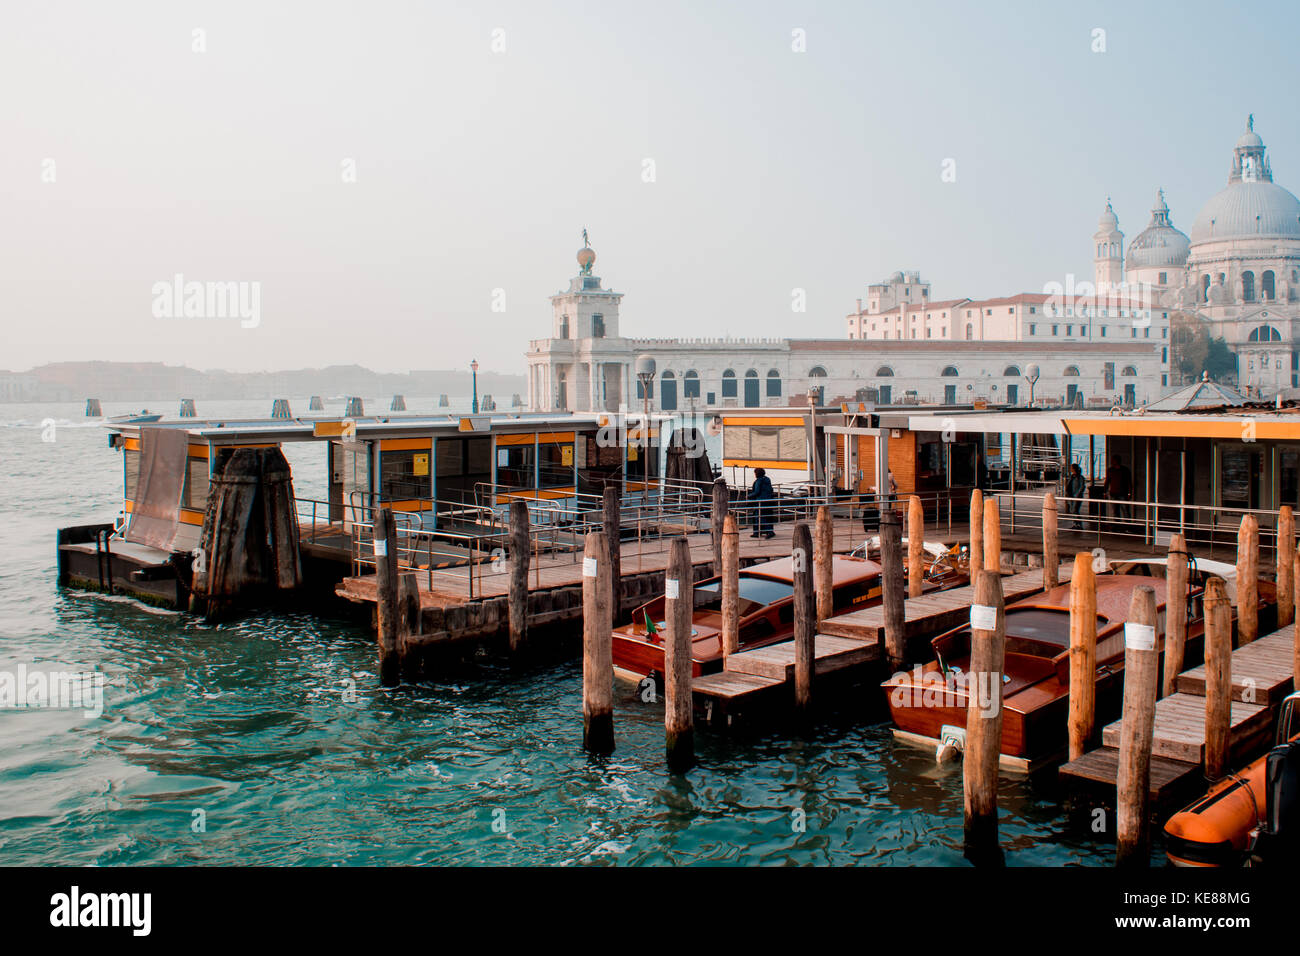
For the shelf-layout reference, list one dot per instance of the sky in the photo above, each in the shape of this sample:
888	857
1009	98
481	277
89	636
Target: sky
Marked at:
403	185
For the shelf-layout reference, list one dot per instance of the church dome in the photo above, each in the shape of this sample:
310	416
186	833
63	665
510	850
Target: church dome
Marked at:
1252	205
1159	244
1108	221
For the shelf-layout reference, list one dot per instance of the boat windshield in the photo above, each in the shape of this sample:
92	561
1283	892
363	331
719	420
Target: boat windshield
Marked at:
755	593
1039	624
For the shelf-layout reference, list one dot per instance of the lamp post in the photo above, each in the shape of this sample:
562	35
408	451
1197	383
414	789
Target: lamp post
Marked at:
1031	377
473	367
645	373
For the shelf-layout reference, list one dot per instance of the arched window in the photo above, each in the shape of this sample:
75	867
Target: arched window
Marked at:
1071	370
1265	333
817	372
1205	287
884	372
970	331
1011	372
1248	287
1266	285
1129	371
773	384
729	389
949	371
691	384
668	391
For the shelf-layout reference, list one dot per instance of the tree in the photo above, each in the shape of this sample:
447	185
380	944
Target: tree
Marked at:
1219	359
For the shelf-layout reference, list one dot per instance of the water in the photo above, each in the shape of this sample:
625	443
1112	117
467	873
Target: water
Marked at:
242	732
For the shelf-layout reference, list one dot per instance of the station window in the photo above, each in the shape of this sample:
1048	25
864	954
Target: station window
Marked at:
130	473
555	463
515	464
404	476
194	496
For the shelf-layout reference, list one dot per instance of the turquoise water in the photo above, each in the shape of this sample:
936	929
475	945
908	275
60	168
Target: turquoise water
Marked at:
248	728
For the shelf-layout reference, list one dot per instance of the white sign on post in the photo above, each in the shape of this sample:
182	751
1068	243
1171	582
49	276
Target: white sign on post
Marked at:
381	547
672	589
588	567
983	617
1140	637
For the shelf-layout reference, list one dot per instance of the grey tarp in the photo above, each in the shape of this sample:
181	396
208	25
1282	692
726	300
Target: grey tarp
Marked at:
156	511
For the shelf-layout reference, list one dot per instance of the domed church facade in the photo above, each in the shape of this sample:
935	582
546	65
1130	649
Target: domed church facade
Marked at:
1239	271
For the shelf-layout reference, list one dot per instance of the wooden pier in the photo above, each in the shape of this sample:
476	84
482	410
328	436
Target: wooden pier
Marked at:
1262	669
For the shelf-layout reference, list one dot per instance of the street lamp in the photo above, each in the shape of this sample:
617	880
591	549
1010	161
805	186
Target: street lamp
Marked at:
1031	376
473	367
645	373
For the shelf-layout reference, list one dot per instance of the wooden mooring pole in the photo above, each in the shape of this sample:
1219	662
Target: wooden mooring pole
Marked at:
1247	580
984	720
976	554
1285	548
823	563
1141	675
1051	554
597	647
1218	677
679	591
520	552
805	616
730	587
891	586
717	518
1083	654
612	525
992	537
386	604
1295	576
915	540
1175	613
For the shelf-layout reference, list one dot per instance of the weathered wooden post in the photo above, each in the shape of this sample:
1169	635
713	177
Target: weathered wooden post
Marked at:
398	404
1175	613
1141	676
612	525
992	536
915	539
1295	576
409	624
679	593
730	587
976	533
1218	677
717	517
520	552
93	409
891	587
1285	547
805	615
597	647
386	604
1247	580
824	563
984	719
1051	555
1083	654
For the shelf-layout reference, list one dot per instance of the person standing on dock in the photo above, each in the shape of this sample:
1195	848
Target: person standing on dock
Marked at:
1119	487
1075	488
762	493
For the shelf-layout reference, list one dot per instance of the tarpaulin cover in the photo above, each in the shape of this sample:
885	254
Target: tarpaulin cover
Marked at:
156	512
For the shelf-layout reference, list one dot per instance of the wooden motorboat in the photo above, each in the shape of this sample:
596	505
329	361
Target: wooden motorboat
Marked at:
766	614
931	700
1221	827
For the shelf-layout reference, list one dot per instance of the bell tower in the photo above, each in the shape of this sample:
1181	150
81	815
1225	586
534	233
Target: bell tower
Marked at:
1108	252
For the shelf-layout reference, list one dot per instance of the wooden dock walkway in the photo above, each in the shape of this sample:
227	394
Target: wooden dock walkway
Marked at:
1260	669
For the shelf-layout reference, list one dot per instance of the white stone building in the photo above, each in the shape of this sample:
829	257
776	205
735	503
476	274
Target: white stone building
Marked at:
587	365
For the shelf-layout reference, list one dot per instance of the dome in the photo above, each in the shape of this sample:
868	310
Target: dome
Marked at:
1246	210
1159	244
1249	138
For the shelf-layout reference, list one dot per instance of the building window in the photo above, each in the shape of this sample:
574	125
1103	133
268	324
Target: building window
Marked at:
884	372
1011	371
1266	282
729	386
1071	370
1032	310
1033	329
1083	331
1103	331
1248	286
1055	328
691	384
1069	330
1164	355
970	331
564	326
773	384
949	371
597	326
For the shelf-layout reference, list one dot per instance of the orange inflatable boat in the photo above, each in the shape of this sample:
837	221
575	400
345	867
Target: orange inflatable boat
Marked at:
1220	828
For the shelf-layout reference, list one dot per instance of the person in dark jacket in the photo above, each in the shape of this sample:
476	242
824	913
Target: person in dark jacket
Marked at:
762	493
1075	487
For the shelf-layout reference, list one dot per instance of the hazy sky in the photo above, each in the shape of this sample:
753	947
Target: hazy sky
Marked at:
476	168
